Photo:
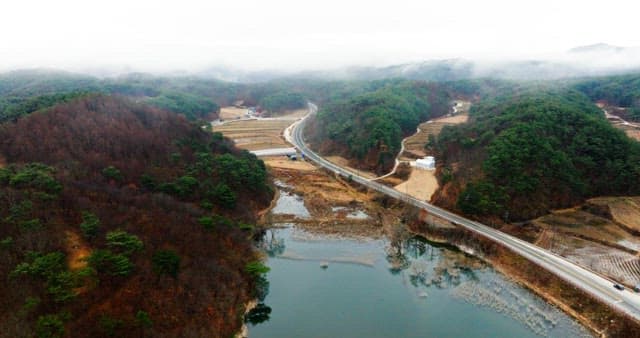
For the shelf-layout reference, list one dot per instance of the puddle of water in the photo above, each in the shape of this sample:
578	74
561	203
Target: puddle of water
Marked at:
352	214
291	204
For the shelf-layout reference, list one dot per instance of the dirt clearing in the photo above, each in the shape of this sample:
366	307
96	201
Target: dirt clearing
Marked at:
292	114
421	184
282	162
232	113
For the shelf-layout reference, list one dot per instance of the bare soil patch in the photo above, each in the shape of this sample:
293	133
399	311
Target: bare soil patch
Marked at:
293	114
232	113
282	162
455	119
421	184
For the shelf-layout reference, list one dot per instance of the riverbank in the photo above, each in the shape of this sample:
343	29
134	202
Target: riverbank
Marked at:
412	285
589	311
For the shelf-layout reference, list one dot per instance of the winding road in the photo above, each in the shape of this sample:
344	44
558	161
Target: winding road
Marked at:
625	301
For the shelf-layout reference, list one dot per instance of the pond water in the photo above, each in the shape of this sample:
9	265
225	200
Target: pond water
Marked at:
331	287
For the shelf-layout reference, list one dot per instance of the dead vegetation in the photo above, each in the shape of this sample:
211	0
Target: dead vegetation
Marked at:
586	309
255	134
330	200
414	146
600	235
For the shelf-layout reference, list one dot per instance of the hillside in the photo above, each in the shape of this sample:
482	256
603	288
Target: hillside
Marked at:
368	128
198	98
525	153
121	219
621	91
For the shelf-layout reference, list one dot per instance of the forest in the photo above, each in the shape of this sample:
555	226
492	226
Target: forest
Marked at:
368	127
119	218
533	150
621	90
25	92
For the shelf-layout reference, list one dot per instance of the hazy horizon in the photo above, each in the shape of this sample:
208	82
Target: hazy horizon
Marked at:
286	35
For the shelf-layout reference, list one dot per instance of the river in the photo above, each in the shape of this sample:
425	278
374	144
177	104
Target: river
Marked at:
328	286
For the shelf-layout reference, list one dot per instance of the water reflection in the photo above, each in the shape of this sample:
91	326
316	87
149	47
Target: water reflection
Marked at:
398	287
270	244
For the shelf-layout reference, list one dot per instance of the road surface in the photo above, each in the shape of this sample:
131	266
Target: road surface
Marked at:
625	301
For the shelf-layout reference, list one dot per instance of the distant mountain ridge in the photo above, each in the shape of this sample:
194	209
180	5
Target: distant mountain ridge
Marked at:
597	47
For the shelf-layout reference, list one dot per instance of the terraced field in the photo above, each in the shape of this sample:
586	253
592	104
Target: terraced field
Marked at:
618	265
256	134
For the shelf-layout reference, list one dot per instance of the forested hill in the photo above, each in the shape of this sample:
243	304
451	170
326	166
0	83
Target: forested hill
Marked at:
368	127
25	92
119	219
622	91
525	153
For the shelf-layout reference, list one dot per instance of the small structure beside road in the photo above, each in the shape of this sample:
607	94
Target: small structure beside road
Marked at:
426	163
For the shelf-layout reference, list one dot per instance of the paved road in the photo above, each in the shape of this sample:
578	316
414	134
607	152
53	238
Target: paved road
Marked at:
625	301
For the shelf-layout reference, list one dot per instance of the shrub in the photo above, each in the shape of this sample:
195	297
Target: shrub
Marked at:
124	242
166	262
49	326
90	225
106	262
112	173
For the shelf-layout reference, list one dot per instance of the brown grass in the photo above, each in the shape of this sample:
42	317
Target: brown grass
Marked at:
281	162
624	210
597	316
414	146
343	162
256	134
77	250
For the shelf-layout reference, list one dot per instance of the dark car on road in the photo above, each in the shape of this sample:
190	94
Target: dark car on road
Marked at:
618	286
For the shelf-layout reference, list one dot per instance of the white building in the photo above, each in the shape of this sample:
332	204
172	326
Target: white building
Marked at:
427	163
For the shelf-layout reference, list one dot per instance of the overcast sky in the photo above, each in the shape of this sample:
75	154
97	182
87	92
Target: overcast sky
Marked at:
294	34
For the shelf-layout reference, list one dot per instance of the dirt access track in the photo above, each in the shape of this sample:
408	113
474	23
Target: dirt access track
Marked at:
421	184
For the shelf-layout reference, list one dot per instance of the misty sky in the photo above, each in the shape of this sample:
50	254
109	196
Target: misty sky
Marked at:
294	34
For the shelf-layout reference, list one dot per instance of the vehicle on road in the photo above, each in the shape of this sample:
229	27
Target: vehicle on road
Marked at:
618	286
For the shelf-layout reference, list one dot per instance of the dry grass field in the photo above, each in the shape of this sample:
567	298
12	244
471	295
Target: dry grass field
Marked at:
256	134
232	113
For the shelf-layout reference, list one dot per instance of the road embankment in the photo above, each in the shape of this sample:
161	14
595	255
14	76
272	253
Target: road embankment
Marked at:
589	311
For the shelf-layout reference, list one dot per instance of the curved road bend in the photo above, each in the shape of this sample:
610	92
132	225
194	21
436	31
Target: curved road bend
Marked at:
625	301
